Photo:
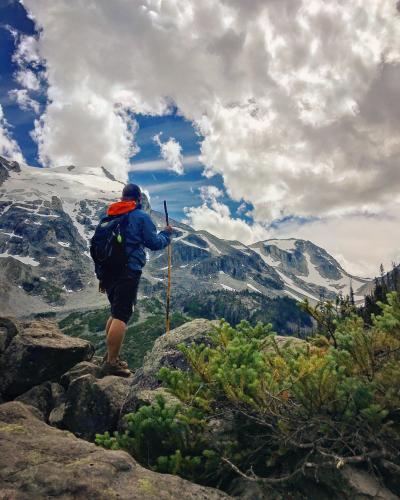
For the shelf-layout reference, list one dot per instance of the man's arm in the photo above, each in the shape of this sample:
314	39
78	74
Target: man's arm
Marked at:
151	239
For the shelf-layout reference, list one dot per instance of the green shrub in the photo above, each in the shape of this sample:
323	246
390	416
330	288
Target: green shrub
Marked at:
285	408
166	439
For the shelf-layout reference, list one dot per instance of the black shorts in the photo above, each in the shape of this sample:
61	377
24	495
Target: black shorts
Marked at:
122	295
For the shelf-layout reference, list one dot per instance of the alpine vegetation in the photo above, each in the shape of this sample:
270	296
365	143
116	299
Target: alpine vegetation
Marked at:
290	416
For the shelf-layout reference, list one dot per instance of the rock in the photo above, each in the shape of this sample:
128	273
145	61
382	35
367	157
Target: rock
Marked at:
83	368
36	353
44	397
165	353
8	330
91	406
39	461
361	485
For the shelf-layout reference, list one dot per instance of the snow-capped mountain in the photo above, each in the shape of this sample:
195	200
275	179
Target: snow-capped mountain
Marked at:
47	217
307	270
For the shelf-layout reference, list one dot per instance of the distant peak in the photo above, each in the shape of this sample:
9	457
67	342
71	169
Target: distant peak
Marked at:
9	164
108	174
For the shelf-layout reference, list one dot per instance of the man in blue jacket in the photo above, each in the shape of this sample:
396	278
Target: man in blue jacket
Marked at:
122	289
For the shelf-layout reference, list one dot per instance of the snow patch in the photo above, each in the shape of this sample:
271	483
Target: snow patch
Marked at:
267	258
226	287
253	288
64	244
191	244
291	284
286	245
211	245
25	260
12	235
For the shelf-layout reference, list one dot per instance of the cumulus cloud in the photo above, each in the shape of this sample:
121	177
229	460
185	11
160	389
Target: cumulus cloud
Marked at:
217	219
27	79
28	60
24	101
295	99
210	193
27	50
171	152
8	146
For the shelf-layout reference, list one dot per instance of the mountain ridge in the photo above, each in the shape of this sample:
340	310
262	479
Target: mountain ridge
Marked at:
47	217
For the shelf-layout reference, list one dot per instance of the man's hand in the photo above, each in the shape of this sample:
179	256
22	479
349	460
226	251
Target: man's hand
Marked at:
169	229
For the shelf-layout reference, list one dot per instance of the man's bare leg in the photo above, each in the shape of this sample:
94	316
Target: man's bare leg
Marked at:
109	321
115	337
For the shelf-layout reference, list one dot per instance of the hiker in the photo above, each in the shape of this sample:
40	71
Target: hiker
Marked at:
120	279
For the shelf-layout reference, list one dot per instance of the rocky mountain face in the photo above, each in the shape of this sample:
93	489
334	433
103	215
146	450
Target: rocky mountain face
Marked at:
47	217
307	270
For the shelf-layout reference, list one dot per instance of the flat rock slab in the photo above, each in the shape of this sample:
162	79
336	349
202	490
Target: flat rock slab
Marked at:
35	352
39	461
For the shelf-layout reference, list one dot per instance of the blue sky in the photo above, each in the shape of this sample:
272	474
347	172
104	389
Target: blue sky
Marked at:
13	15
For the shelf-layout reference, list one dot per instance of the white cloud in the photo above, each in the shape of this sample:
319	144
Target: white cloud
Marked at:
28	60
8	146
71	121
216	218
294	98
189	162
25	102
27	51
27	79
210	193
171	152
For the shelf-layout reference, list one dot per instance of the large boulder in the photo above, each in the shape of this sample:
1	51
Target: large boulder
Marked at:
39	461
44	397
165	352
35	352
91	405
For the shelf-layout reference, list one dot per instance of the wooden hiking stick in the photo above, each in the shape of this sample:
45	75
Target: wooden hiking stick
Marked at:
169	273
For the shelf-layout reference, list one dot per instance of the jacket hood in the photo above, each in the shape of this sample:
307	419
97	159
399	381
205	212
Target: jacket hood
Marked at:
121	207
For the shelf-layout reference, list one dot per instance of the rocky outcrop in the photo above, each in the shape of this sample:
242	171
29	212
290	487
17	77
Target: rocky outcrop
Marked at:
240	266
5	167
35	352
39	461
165	353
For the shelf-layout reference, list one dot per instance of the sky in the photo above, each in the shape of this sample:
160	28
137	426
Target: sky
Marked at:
255	120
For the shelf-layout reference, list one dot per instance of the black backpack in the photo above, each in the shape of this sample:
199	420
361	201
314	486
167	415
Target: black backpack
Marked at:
107	247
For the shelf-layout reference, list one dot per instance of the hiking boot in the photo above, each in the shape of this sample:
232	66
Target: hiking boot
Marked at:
123	363
118	369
